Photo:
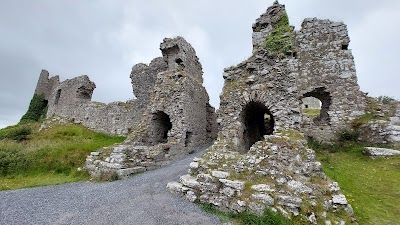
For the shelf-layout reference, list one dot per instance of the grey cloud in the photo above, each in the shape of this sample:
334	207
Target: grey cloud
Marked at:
103	39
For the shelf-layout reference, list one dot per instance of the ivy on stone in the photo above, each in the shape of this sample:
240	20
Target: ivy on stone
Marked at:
37	109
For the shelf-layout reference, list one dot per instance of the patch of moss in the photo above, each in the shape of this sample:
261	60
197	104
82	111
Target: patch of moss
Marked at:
280	42
293	135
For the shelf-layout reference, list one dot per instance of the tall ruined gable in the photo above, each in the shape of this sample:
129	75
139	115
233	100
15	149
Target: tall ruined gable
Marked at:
327	72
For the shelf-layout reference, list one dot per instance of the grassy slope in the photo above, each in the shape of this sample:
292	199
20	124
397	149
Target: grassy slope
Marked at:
372	186
48	157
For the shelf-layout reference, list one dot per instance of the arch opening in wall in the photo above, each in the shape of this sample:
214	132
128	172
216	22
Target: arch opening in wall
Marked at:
311	107
58	95
258	121
162	125
316	104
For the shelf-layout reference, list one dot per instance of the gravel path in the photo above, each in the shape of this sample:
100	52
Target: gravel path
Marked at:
142	199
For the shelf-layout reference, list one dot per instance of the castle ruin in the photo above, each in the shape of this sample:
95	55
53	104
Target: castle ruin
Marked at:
258	130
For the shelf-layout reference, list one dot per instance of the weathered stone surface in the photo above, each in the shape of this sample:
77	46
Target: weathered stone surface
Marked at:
177	187
339	199
263	198
220	174
235	184
372	151
189	181
298	187
262	188
175	116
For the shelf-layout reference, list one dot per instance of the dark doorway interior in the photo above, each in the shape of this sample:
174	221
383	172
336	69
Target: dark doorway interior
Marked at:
258	121
162	125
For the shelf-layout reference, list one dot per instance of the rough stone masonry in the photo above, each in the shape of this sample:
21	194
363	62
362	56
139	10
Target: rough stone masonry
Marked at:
176	119
260	159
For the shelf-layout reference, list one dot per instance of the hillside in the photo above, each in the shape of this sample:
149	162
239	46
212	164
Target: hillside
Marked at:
30	156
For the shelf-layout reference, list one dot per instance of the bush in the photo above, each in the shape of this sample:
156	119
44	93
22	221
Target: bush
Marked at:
17	133
37	109
385	99
348	135
12	161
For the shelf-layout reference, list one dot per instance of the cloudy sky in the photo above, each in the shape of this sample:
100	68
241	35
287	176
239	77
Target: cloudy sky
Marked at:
105	38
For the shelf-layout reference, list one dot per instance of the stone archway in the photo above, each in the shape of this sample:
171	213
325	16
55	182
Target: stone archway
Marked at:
258	121
326	100
161	126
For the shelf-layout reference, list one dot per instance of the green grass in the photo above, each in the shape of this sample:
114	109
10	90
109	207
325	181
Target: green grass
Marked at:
246	218
372	186
312	113
50	156
23	181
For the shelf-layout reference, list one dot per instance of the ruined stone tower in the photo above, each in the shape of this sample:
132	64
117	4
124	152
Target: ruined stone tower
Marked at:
177	117
178	112
260	159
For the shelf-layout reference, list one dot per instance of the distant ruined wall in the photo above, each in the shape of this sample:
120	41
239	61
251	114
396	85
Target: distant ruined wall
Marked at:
71	99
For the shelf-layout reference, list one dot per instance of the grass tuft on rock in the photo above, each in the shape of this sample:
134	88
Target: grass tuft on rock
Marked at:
246	218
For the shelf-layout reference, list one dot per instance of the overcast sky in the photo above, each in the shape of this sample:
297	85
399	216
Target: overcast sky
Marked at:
105	38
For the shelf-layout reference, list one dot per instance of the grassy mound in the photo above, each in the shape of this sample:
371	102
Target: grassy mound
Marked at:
29	157
370	185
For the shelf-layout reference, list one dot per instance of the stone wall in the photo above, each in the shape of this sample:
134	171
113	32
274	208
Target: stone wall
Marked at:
177	119
278	173
71	99
311	103
327	72
260	159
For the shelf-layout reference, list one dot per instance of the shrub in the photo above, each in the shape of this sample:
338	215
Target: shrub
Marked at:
348	135
12	161
17	133
37	109
385	99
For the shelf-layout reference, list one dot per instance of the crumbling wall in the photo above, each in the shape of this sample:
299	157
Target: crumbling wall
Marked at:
179	93
46	85
177	119
71	99
144	77
327	72
262	79
260	140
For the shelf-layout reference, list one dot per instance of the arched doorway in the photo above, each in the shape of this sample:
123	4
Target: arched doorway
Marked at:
161	125
258	121
325	101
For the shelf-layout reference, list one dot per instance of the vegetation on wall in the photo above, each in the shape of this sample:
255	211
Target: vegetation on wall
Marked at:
37	109
280	42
